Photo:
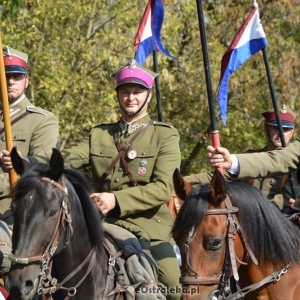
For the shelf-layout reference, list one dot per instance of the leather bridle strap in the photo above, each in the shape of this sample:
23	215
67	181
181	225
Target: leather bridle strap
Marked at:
121	155
272	278
49	251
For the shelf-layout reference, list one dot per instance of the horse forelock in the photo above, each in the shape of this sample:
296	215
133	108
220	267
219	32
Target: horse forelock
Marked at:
191	213
272	237
29	180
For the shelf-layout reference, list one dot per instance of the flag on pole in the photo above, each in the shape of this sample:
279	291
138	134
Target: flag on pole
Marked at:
148	37
249	40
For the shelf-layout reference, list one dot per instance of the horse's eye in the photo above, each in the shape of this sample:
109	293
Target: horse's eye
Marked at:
53	212
215	244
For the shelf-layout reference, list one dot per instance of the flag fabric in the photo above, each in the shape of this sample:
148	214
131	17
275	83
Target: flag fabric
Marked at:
148	37
249	40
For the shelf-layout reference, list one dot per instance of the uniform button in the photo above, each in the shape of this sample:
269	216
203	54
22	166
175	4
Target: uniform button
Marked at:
101	152
116	180
120	169
144	153
158	221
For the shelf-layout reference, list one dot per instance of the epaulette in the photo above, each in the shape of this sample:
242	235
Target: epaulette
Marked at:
162	124
37	110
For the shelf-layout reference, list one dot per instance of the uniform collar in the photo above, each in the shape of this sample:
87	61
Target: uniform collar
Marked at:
127	128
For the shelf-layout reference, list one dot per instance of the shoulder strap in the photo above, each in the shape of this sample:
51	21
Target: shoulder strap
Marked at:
121	155
16	120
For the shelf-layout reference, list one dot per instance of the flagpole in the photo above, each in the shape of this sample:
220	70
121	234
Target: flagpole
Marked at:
276	111
214	130
157	87
6	113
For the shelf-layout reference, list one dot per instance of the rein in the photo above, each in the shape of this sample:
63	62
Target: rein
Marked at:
47	284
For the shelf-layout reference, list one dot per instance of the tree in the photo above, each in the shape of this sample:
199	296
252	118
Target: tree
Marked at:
74	47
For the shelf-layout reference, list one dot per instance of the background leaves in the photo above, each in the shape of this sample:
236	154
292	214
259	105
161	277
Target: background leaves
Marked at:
74	47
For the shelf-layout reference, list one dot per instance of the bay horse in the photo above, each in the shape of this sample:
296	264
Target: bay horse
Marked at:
57	240
227	229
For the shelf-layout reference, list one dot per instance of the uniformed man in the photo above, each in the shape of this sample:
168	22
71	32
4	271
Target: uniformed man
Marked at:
35	131
277	188
132	162
265	164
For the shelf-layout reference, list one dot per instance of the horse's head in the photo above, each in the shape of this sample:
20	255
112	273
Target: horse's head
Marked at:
203	230
36	206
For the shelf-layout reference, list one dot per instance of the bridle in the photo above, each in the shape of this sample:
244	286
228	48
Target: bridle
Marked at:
229	265
47	284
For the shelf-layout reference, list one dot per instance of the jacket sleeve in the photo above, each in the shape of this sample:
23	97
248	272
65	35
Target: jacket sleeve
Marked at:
270	164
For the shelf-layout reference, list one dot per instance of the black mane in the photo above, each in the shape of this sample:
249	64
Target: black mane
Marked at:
273	238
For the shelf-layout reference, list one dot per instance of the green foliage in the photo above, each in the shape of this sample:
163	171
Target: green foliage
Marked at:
74	47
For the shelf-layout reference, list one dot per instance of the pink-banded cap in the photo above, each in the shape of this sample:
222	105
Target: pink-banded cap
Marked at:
135	73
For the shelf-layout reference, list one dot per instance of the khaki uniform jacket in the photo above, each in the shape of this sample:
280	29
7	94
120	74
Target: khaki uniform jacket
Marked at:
270	164
275	188
34	134
273	164
144	205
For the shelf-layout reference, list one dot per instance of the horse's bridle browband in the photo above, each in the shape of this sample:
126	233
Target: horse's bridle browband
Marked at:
47	284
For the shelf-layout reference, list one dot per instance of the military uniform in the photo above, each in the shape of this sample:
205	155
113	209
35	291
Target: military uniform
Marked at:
270	164
275	188
35	133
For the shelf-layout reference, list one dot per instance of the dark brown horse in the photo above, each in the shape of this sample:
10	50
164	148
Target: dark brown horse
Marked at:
58	238
229	229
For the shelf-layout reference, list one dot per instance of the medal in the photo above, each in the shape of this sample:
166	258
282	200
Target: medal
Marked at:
143	162
273	182
142	170
132	154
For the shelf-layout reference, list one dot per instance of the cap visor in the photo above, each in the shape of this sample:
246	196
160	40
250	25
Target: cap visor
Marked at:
285	124
15	69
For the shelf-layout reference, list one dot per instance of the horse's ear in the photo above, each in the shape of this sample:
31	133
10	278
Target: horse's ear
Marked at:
181	186
218	187
56	165
18	162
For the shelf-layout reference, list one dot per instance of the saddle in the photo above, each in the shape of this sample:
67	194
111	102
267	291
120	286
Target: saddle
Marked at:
132	271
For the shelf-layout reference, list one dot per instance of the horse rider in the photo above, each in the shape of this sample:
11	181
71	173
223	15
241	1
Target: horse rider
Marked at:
276	188
132	162
35	131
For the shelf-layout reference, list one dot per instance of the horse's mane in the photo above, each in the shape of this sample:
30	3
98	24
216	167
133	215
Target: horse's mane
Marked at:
273	238
76	181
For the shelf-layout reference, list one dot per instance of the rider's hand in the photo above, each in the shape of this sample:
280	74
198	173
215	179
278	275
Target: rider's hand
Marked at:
219	157
5	161
104	201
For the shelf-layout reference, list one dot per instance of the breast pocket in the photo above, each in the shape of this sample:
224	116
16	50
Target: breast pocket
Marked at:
101	158
143	164
21	140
